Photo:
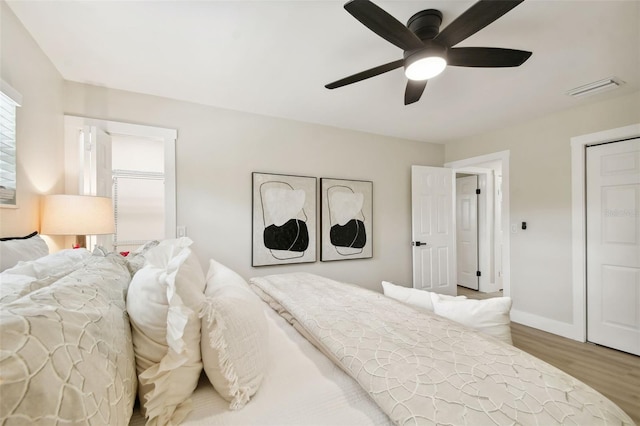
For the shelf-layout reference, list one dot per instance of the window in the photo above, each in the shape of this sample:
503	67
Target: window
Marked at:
9	101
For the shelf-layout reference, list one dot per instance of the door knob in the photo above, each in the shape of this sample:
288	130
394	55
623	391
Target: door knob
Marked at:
420	243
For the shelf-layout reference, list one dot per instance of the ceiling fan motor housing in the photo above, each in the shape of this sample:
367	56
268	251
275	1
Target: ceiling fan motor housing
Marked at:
425	24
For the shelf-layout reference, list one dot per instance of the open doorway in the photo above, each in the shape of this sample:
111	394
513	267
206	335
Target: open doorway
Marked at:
491	249
467	227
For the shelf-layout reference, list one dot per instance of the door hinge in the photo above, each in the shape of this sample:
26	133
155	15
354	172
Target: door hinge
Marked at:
478	273
478	191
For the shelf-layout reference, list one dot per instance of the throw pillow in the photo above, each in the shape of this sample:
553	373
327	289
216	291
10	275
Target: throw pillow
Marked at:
234	336
490	316
412	296
164	301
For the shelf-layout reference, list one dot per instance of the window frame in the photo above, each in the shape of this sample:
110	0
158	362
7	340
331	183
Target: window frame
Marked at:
10	101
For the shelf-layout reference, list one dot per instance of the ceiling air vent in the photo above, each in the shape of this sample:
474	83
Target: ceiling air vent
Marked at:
596	87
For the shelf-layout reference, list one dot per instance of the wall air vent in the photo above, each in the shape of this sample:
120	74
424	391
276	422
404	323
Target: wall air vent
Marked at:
596	87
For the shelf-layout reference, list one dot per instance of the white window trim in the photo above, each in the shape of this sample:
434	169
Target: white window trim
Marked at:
16	98
12	93
168	136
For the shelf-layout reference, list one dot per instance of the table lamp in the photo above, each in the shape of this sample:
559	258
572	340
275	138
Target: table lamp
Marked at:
78	215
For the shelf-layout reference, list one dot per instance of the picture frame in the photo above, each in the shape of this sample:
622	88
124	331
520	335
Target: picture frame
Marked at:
346	219
284	219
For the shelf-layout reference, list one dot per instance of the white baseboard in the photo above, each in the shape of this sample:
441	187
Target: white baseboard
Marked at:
560	328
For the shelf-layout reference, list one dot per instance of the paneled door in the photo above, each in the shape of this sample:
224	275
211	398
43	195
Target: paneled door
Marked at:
467	231
433	229
613	245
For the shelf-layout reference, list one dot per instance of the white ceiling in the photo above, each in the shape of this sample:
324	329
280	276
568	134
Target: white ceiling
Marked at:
274	58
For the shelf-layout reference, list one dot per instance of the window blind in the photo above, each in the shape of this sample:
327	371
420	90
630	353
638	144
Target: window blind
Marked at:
7	149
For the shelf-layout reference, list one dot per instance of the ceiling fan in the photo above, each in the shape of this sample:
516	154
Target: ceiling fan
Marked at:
427	50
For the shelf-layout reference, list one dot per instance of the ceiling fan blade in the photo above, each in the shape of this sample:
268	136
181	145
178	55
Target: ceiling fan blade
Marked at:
414	90
486	57
380	69
383	24
474	19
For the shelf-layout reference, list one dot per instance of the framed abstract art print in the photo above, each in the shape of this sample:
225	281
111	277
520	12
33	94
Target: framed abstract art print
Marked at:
347	219
284	219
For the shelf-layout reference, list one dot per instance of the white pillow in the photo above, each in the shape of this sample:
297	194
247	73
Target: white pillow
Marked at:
16	249
412	296
234	336
164	301
490	316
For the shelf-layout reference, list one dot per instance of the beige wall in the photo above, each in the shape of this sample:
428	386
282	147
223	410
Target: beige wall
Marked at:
217	150
40	125
540	168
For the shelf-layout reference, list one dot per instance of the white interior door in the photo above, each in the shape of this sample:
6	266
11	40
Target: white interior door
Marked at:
613	245
433	229
467	231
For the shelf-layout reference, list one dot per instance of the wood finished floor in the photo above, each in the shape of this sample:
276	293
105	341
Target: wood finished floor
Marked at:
614	374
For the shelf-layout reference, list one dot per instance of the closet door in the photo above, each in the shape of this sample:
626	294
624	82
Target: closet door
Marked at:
613	245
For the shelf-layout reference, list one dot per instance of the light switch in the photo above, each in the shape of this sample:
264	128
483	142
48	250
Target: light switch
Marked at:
181	231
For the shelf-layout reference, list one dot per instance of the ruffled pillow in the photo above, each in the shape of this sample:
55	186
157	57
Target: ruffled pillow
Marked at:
234	336
163	301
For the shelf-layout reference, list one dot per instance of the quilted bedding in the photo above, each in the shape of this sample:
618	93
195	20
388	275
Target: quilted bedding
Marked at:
65	346
423	369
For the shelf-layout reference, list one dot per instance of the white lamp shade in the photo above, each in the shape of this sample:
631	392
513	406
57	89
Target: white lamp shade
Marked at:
77	215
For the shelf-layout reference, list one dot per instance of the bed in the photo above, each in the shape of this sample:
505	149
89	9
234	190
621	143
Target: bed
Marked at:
335	354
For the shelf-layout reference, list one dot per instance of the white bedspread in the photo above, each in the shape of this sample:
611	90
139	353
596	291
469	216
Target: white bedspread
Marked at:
301	388
423	369
66	356
27	277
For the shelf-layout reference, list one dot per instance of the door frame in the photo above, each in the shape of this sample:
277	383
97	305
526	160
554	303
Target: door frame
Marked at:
477	165
73	124
485	215
579	146
478	225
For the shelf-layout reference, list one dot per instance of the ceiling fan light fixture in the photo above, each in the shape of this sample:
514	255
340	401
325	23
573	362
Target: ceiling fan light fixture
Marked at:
425	68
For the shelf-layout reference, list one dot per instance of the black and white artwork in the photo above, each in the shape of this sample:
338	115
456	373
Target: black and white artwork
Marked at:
347	219
284	219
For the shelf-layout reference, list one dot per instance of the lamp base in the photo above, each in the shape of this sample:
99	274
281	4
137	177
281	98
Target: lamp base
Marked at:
81	241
